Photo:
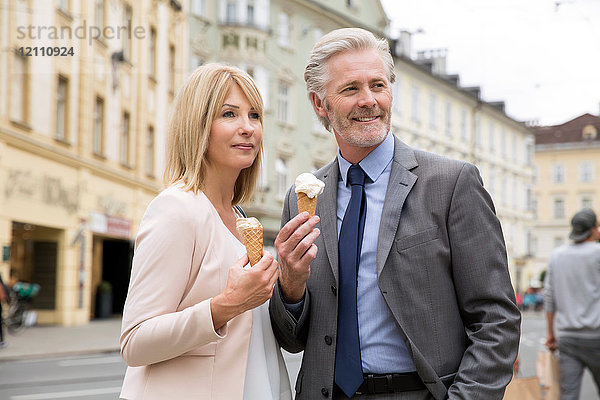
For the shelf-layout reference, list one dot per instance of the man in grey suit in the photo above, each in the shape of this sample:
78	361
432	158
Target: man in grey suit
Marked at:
400	290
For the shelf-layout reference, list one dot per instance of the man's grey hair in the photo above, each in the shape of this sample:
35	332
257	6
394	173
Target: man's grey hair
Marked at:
316	73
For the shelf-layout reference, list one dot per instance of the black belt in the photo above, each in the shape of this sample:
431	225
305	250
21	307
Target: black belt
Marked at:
390	383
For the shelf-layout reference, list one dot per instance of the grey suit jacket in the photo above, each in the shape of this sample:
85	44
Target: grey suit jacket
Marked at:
442	270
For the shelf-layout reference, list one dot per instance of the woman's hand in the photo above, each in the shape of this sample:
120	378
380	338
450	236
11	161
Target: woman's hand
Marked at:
246	288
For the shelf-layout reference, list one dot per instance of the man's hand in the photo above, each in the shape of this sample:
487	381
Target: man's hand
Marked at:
551	343
296	249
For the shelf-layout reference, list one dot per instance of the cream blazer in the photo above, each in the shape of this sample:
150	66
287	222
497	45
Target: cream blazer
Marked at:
182	256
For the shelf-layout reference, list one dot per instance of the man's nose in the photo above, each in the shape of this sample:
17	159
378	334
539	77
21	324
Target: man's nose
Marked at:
366	99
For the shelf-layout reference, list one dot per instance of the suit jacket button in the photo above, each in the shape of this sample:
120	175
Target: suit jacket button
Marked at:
328	340
325	392
334	290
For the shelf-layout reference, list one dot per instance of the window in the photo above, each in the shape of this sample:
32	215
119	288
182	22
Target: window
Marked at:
464	126
503	142
99	14
492	183
124	154
396	95
448	127
61	108
284	29
558	173
492	134
528	198
515	149
18	92
150	152
586	172
283	103
415	112
559	208
281	172
231	12
529	151
530	251
127	15
197	61
197	7
171	68
558	241
250	12
98	141
318	32
504	190
63	5
478	130
152	53
433	111
515	193
587	202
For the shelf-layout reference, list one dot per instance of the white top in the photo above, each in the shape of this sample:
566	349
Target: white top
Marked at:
266	373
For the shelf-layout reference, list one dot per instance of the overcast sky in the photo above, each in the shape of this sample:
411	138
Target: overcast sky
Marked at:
542	57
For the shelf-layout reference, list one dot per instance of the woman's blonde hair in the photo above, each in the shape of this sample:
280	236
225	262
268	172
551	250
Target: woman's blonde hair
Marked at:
197	104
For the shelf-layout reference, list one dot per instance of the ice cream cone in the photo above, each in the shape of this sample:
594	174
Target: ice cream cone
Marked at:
252	233
253	240
308	188
305	203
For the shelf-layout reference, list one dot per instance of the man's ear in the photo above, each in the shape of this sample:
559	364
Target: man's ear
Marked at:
318	104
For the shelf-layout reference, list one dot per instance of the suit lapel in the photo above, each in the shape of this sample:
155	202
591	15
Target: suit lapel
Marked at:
327	206
400	184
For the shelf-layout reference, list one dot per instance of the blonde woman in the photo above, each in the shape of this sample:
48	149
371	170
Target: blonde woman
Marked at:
196	323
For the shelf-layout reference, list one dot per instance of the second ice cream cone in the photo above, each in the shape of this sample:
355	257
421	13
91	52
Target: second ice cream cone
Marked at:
252	233
305	203
253	240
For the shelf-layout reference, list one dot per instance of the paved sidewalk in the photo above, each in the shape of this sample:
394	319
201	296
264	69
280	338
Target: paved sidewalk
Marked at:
45	341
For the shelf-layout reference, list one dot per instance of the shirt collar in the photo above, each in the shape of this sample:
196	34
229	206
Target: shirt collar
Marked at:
374	163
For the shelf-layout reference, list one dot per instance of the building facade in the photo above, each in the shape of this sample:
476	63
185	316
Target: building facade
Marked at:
82	136
567	162
83	106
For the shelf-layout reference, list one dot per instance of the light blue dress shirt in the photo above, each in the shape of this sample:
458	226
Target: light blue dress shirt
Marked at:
381	345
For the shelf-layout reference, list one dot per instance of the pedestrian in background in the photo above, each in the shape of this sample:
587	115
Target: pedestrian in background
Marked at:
196	322
4	297
572	302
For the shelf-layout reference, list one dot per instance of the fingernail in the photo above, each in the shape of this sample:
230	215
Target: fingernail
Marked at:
317	219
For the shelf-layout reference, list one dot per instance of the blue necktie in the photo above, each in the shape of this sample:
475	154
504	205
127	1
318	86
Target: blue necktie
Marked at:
348	366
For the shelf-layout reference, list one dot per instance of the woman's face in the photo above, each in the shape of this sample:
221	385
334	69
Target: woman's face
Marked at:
235	134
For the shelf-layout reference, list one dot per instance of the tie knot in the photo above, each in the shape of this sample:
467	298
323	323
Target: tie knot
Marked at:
356	175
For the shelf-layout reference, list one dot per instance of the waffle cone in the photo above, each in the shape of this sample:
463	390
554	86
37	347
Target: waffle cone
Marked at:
305	203
253	239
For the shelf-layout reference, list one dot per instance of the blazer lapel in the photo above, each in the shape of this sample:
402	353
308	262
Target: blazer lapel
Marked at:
326	206
400	184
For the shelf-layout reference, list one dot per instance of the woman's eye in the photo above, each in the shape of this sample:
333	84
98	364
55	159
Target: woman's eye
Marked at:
254	116
228	114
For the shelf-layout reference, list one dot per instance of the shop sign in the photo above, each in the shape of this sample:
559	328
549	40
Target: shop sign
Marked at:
45	188
109	225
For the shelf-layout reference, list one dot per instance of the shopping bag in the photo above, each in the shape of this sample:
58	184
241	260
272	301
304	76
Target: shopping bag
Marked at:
548	371
523	389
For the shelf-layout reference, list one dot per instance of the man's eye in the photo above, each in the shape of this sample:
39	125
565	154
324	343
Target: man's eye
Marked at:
228	114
